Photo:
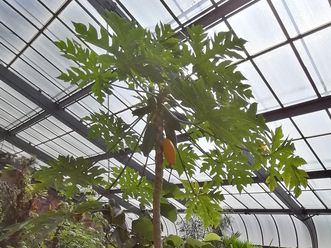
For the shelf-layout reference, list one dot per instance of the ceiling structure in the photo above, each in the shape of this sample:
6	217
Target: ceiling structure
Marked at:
285	62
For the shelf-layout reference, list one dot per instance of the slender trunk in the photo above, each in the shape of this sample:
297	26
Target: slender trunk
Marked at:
158	182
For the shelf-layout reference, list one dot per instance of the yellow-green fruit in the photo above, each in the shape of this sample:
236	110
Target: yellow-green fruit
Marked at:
169	151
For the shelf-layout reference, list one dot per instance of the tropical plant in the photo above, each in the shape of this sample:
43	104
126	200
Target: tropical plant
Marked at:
188	87
185	87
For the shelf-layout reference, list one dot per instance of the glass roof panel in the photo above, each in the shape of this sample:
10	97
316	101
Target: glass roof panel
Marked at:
307	123
266	201
10	39
33	10
147	13
321	183
287	126
269	230
260	90
233	202
286	231
323	227
15	106
186	9
255	28
309	200
5	54
53	5
321	146
34	77
231	189
291	85
300	16
8	147
303	233
325	196
220	27
303	150
312	50
248	201
16	22
253	229
253	188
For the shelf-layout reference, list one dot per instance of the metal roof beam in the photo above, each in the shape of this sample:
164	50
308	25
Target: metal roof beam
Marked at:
59	113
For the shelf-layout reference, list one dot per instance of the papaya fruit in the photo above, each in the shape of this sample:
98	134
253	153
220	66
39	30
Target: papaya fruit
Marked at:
149	139
169	151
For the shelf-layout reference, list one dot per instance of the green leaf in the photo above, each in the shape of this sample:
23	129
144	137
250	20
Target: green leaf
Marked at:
173	241
211	237
67	175
143	228
169	211
194	243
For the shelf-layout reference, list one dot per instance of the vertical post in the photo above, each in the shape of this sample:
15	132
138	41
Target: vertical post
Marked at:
158	177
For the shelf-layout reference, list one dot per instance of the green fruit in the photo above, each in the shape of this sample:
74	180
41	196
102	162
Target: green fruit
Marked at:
149	139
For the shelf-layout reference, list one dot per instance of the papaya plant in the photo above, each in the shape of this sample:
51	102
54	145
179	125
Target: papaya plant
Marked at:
185	87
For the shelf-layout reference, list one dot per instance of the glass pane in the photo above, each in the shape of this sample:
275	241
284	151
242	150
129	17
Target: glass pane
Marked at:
285	76
303	234
253	188
16	22
321	146
238	226
307	123
53	5
221	27
312	50
233	202
261	93
147	13
286	231
266	201
9	38
5	54
322	183
33	10
323	227
309	200
186	9
287	126
33	76
301	16
325	196
248	201
231	189
269	230
253	229
255	27
303	150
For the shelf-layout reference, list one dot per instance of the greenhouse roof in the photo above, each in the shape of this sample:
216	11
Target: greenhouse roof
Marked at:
286	62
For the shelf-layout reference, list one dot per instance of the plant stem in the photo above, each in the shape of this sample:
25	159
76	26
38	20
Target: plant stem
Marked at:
158	180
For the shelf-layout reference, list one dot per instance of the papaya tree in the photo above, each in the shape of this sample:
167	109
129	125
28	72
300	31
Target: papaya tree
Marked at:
186	88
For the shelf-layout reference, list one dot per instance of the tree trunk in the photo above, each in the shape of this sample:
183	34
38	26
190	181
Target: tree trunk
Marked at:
158	181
